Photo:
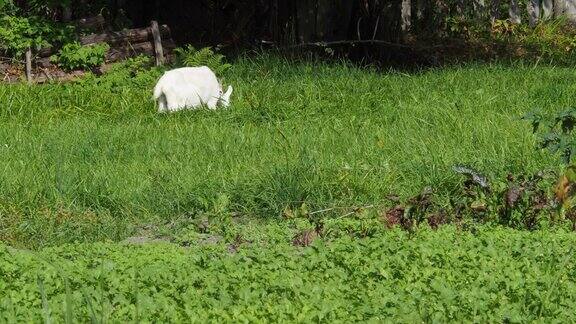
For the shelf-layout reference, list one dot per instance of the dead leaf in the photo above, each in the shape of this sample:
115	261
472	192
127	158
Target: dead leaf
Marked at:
393	216
512	195
437	219
478	206
562	188
305	238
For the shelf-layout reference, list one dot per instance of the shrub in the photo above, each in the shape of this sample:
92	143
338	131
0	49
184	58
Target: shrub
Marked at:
20	33
557	137
555	132
133	73
190	56
75	56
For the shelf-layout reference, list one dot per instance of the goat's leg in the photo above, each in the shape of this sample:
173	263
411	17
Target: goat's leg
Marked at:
212	103
162	105
172	103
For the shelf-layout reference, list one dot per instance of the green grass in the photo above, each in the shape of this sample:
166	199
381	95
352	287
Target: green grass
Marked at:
87	164
92	161
495	275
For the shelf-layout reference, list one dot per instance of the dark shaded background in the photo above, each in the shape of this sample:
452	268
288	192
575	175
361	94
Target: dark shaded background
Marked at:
284	22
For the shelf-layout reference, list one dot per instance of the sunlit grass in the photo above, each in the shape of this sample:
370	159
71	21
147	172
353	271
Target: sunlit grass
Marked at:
89	161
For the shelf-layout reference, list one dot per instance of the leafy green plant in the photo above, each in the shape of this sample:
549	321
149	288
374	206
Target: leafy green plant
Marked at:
133	73
18	33
50	8
555	132
8	7
190	56
558	138
75	56
495	275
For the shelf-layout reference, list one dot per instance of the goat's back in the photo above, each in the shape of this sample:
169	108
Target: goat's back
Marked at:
201	77
188	87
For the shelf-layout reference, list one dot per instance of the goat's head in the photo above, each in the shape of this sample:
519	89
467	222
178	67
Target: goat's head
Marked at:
225	98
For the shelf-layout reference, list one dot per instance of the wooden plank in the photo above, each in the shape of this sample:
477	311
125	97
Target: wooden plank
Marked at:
146	48
125	36
29	65
158	49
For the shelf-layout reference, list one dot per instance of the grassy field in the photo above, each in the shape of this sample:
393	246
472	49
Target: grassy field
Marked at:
85	162
219	196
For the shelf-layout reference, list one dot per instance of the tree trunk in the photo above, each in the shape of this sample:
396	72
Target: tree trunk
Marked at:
345	11
29	65
494	10
559	8
274	25
406	16
66	14
306	16
324	25
547	6
514	12
479	8
533	7
571	10
420	8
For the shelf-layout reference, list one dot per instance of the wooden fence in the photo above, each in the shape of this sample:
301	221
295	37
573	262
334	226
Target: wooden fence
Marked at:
155	41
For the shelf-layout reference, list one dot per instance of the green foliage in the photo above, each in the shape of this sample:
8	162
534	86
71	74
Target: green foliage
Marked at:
190	56
557	135
74	56
550	40
20	33
48	8
495	275
128	75
558	138
7	7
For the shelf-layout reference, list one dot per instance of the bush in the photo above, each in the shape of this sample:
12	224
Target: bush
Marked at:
20	33
133	73
557	134
74	56
190	56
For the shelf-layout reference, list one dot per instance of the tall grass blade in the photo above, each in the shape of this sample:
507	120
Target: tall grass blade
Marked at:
45	306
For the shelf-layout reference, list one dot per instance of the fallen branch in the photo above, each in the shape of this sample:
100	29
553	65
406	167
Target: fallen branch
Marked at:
364	42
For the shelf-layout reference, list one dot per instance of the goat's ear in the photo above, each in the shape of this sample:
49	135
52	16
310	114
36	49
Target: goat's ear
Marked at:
226	96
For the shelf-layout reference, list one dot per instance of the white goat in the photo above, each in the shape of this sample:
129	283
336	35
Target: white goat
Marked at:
190	87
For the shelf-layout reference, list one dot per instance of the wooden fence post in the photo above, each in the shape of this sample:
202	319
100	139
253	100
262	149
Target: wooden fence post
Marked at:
29	65
158	50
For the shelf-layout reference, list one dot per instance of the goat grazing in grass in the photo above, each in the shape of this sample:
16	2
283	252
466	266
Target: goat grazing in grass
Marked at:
190	87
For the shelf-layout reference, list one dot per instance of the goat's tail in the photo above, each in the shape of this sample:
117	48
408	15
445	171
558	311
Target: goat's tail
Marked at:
158	90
